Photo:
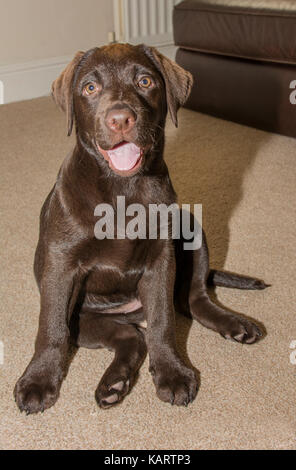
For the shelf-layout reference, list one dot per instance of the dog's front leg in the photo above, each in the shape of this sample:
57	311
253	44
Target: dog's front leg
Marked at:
174	381
38	388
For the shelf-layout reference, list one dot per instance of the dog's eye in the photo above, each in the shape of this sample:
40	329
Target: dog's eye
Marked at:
145	82
90	88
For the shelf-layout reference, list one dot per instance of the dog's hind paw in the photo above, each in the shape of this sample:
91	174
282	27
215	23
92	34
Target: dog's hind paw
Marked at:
240	330
112	394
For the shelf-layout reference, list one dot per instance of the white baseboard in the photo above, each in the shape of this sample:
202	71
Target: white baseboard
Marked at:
1	92
29	80
33	79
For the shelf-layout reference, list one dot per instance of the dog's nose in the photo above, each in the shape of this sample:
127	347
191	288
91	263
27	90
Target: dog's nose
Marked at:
120	120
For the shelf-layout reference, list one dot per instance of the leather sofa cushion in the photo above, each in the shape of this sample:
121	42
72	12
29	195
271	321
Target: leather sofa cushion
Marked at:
252	29
249	92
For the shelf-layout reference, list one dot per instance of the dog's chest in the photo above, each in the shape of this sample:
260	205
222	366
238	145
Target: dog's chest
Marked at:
110	280
117	266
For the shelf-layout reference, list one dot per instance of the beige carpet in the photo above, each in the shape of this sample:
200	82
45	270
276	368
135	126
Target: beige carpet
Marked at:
246	181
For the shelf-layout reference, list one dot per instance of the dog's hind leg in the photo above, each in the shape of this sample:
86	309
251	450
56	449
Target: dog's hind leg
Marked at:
129	346
195	272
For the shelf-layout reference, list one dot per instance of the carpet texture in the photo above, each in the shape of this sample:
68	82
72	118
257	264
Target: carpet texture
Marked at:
246	181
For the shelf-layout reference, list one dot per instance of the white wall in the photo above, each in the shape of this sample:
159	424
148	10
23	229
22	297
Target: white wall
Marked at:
38	29
38	38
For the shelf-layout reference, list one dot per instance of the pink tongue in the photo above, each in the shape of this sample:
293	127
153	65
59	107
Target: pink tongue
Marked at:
125	157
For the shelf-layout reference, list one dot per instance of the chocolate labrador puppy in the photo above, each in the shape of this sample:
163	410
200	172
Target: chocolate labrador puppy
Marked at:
119	293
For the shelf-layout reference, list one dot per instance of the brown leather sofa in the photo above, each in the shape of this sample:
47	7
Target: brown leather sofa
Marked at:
242	54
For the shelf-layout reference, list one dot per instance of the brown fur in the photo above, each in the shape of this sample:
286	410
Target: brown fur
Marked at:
97	293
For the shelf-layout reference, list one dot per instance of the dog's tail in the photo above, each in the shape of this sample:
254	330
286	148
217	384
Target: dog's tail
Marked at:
234	281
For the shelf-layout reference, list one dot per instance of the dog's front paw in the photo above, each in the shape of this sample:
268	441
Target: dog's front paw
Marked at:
177	386
35	394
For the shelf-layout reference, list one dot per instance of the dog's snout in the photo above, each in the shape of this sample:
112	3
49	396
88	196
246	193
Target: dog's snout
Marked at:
120	120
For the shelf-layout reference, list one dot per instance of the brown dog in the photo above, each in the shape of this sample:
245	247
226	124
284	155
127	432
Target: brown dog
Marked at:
97	293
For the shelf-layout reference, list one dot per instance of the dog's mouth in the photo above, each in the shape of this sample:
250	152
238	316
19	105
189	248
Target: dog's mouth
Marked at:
124	158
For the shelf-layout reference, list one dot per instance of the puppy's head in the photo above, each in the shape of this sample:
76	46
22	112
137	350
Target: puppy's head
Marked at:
119	96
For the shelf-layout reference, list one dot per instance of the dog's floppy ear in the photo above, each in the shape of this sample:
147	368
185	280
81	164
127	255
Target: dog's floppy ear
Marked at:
62	89
178	82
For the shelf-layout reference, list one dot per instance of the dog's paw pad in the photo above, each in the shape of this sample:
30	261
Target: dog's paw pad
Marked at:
109	395
108	401
118	386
